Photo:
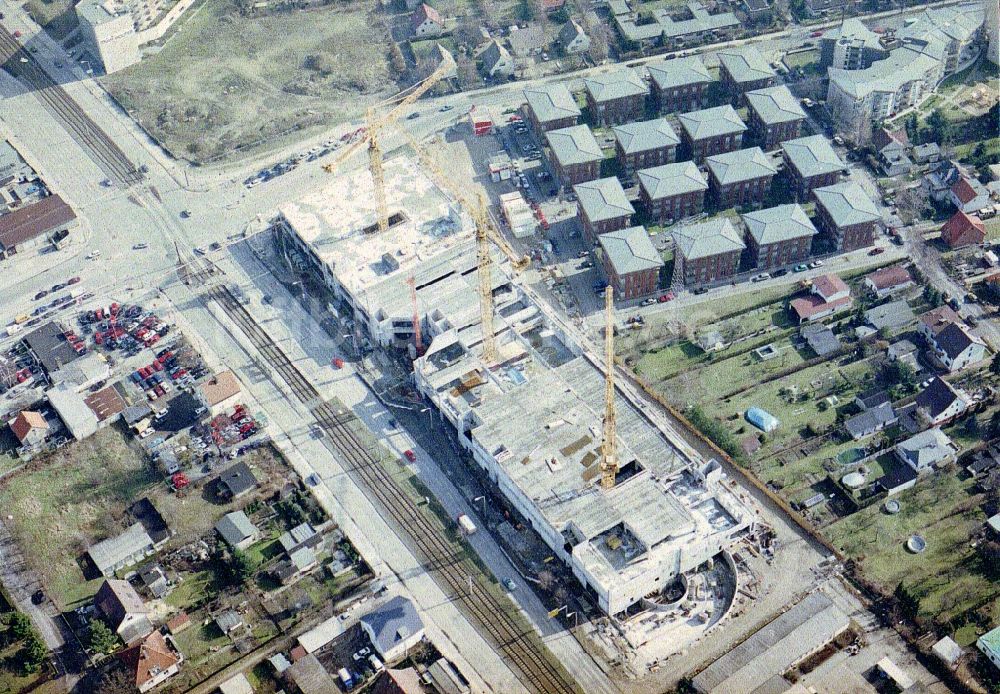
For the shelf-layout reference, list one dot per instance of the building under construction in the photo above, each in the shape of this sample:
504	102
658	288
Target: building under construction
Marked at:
534	414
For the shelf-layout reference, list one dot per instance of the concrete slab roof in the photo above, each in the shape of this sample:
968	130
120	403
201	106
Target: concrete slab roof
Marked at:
672	179
712	122
630	250
777	224
775	105
708	238
740	165
812	156
745	64
574	145
603	199
619	84
847	203
551	102
645	135
679	72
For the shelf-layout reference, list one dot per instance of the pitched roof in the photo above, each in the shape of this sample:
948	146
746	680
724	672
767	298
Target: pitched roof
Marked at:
828	285
672	179
780	223
873	398
965	190
937	397
740	165
870	421
220	388
147	659
894	314
108	553
234	527
707	239
117	599
745	64
25	422
492	54
712	122
963	229
953	339
392	622
775	105
937	318
618	84
643	136
551	102
679	72
847	203
806	307
574	145
569	31
926	448
423	13
630	250
238	478
28	222
890	277
603	199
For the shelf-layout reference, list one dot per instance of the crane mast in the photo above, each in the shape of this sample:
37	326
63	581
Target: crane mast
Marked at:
375	166
485	262
417	341
609	443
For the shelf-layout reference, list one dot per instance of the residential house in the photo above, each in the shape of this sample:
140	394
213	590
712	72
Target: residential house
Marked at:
811	163
228	621
237	684
872	398
426	21
121	607
573	38
34	225
616	97
551	107
644	144
527	41
963	230
989	645
297	563
744	69
128	548
220	393
152	661
741	178
235	481
925	451
603	207
154	580
756	10
929	153
934	321
678	84
939	403
827	295
939	180
775	116
956	348
30	428
672	192
871	421
820	338
309	676
707	252
495	61
393	628
630	262
574	154
905	352
846	215
888	281
890	316
968	195
302	535
894	160
236	529
712	131
817	8
779	236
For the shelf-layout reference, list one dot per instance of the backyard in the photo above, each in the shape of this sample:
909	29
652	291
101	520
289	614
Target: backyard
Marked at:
224	82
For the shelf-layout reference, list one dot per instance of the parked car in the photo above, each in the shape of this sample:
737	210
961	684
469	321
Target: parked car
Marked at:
761	277
800	268
410	455
876	251
815	264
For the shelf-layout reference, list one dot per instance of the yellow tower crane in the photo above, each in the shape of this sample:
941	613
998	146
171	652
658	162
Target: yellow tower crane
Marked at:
609	443
486	231
377	122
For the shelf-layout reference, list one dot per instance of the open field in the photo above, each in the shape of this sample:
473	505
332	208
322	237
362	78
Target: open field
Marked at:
224	81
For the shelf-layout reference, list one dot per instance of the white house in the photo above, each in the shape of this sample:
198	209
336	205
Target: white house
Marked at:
939	403
573	38
426	21
496	61
926	450
969	195
956	348
393	628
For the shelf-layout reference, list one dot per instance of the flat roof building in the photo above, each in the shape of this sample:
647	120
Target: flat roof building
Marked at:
109	31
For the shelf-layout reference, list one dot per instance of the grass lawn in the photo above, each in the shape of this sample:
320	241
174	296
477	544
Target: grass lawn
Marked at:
223	81
946	512
992	228
73	500
802	59
191	590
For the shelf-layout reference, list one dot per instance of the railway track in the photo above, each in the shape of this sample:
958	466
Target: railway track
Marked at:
445	564
101	148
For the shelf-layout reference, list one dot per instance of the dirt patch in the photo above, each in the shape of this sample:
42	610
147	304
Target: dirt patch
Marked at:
223	82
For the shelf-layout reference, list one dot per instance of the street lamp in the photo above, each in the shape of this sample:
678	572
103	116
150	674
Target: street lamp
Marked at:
482	498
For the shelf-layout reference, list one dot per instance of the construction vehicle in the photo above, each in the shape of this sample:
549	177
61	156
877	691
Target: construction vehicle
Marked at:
376	123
